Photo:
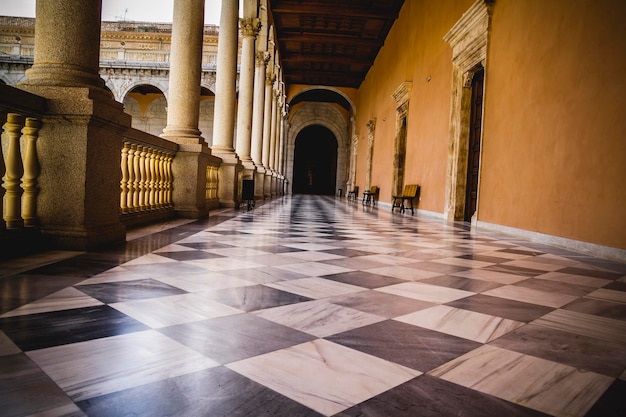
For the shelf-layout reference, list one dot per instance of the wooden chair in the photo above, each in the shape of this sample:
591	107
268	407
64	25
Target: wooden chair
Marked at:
410	193
353	194
370	196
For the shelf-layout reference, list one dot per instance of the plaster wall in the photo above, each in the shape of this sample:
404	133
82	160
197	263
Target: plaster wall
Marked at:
554	141
414	51
554	137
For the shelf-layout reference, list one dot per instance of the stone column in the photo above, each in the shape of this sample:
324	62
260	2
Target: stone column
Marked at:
267	125
183	110
224	116
80	140
262	58
249	29
272	157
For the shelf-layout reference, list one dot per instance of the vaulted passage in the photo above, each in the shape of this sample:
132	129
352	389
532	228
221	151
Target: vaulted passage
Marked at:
315	162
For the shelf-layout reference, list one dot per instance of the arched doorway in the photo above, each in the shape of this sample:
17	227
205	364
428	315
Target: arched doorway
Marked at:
315	162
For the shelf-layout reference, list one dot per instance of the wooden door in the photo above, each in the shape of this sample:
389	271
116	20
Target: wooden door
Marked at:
473	156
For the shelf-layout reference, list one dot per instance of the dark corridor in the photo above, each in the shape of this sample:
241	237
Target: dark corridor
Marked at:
315	162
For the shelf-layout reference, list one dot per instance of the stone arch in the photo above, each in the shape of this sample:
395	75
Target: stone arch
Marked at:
322	114
343	97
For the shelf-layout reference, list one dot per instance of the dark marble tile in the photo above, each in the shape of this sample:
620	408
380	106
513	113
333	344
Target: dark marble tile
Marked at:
459	283
255	297
522	251
598	308
348	253
215	392
582	352
485	258
82	266
206	245
364	279
611	403
38	331
116	292
263	275
232	338
276	249
25	389
499	307
17	290
591	273
412	346
426	396
437	267
381	304
555	287
616	286
168	269
515	270
191	255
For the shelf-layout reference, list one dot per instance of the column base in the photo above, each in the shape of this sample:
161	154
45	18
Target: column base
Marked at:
230	176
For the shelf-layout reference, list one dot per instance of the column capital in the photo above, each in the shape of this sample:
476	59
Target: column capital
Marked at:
262	58
250	26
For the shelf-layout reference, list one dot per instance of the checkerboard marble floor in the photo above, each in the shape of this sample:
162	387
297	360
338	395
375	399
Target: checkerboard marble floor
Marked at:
313	306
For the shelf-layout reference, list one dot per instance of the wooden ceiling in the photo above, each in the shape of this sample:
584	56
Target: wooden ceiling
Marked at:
331	42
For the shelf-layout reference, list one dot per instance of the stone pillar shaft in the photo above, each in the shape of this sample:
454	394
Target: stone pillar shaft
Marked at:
226	78
249	30
258	108
183	110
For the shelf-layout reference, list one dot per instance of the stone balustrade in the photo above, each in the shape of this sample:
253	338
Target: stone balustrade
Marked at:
20	117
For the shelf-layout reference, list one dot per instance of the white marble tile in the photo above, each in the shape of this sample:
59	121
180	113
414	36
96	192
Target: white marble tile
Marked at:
324	376
203	282
271	259
315	287
124	361
585	325
574	279
505	255
604	294
403	272
312	256
314	269
462	323
310	246
175	309
542	385
425	292
7	347
385	259
149	259
117	274
65	299
174	248
377	248
224	264
319	317
491	276
539	266
467	263
530	295
236	251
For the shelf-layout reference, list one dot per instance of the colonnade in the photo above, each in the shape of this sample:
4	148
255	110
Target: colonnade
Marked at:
83	127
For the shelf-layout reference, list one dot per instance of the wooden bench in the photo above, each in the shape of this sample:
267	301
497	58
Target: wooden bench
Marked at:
353	194
370	196
410	193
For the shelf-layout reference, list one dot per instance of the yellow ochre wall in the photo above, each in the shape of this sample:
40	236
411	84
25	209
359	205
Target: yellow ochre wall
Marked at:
554	132
413	51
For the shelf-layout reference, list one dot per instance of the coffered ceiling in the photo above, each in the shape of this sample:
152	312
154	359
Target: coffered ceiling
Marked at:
331	42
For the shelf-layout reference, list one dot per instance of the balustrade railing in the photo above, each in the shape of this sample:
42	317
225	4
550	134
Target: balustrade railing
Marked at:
147	181
20	117
212	181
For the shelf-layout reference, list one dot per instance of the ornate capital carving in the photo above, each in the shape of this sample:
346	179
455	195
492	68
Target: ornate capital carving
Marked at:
262	58
250	26
371	125
402	93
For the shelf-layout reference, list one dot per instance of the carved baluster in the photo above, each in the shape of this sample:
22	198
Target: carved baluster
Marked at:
124	181
151	199
14	171
142	178
161	188
168	176
31	173
135	177
3	117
